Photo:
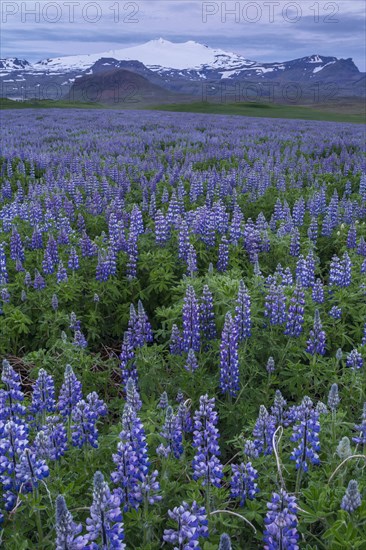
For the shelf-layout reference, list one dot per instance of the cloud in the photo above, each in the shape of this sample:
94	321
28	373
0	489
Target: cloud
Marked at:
259	30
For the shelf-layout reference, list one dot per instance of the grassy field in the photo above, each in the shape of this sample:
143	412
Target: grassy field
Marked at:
47	104
337	114
264	110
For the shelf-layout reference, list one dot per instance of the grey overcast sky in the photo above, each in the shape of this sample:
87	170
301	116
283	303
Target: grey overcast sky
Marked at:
273	30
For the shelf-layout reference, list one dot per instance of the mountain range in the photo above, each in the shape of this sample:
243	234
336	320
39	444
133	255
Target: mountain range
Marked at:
160	70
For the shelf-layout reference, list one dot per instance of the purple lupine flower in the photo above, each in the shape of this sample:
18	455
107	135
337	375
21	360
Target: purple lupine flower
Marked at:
11	395
295	316
74	323
73	262
354	360
165	195
321	408
335	272
132	461
207	315
344	448
70	392
223	259
249	449
298	213
333	398
84	417
79	340
97	404
252	240
161	229
176	342
295	242
61	275
243	484
38	282
191	321
87	246
305	270
163	401
143	328
191	261
361	428
52	250
16	246
361	248
352	237
54	302
4	277
183	417
134	432
126	474
229	360
148	488
52	443
277	409
36	240
235	226
183	241
5	295
310	268
28	279
127	365
270	367
306	434
281	523
132	395
316	342
347	270
132	255
67	531
133	326
318	292
340	273
225	542
263	431
191	363
191	526
275	305
105	521
313	230
352	498
172	433
14	440
43	397
205	464
335	312
83	425
363	343
30	469
243	320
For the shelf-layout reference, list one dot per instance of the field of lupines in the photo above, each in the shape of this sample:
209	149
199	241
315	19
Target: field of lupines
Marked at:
183	332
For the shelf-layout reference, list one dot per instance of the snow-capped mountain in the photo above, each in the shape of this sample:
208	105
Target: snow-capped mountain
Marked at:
13	64
156	55
179	67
